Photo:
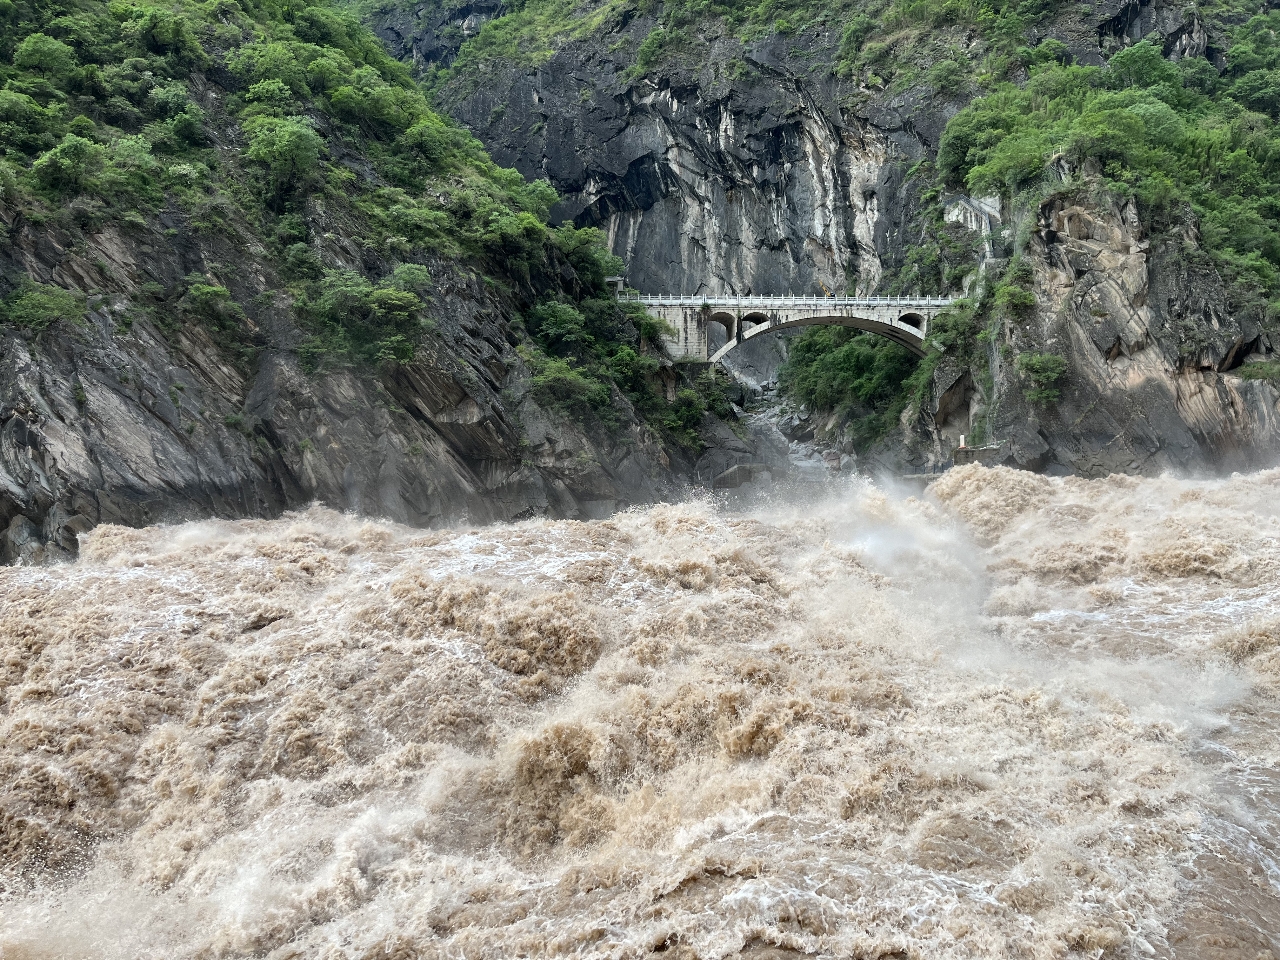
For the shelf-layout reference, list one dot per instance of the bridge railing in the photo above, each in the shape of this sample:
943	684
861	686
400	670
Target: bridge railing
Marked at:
777	301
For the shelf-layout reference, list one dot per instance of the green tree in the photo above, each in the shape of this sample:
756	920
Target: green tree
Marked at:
274	60
946	76
24	124
287	146
837	368
854	35
50	57
211	303
631	371
586	250
1259	90
269	96
1012	164
377	321
130	172
172	35
70	165
429	140
561	327
557	383
1143	65
36	305
411	278
368	100
1044	371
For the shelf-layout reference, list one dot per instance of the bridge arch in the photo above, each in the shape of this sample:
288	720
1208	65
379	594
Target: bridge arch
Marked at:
908	331
724	318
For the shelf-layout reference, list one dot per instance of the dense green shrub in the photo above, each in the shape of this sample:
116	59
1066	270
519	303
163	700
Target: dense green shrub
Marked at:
683	417
862	374
585	249
287	146
211	303
129	178
354	316
1015	300
585	349
947	77
36	305
1044	371
79	79
558	383
562	328
70	165
653	330
632	370
45	55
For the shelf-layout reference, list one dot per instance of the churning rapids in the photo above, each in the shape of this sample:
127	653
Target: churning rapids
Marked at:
1017	717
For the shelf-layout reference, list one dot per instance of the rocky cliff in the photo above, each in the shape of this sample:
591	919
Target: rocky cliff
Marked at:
735	173
754	166
129	419
247	267
1156	356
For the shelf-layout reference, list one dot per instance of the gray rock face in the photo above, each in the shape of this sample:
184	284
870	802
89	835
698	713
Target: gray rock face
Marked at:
742	175
1154	346
1173	26
155	420
1154	352
431	35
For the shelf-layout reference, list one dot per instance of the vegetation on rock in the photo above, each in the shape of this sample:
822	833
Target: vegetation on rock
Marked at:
288	130
858	374
1190	145
36	305
1044	371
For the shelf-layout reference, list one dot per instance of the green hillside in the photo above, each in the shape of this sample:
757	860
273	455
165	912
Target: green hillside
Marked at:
285	128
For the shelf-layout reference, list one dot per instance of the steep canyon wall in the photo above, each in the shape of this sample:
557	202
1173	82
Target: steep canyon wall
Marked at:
737	174
131	418
753	168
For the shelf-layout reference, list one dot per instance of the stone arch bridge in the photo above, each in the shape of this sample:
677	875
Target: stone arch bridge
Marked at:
904	320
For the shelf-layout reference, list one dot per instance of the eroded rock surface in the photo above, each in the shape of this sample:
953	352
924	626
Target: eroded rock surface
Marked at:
134	418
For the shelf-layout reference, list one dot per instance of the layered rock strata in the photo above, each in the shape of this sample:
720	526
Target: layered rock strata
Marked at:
133	418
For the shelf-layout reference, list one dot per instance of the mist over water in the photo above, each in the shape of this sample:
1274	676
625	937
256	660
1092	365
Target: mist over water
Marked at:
1018	717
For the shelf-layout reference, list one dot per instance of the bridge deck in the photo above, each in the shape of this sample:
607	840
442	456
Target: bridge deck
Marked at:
776	302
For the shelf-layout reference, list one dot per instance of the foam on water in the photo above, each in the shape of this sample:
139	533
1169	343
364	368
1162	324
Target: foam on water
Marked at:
1021	717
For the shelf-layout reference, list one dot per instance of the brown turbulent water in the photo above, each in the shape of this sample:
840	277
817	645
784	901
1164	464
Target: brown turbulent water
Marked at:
1018	717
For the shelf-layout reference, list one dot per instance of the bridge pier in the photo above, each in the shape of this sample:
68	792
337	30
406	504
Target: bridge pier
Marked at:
904	320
